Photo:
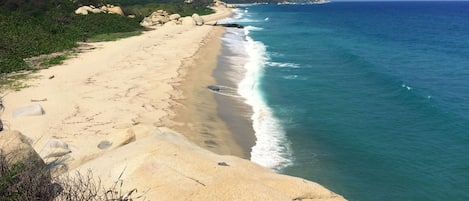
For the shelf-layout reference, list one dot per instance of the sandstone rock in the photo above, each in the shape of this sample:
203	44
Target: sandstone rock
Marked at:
184	171
17	148
158	17
199	21
30	110
187	21
115	10
83	10
96	10
170	23
146	22
174	16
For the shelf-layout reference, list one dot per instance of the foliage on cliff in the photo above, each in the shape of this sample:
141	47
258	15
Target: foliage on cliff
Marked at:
33	27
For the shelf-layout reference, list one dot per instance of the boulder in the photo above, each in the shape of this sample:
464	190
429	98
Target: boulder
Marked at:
146	22
170	23
30	110
17	149
199	21
83	10
174	16
187	21
158	17
96	10
115	10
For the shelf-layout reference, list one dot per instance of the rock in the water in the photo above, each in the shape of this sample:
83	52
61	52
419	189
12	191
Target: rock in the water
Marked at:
199	21
30	110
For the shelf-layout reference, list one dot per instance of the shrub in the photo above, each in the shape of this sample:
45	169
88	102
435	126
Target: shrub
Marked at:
20	181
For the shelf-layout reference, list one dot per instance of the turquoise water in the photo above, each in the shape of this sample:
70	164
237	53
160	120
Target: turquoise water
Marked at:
370	99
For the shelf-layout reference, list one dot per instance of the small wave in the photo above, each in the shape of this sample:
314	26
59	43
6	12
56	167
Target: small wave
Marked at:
406	86
290	77
266	19
283	65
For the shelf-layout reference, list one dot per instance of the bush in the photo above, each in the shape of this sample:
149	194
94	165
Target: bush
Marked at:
24	181
21	181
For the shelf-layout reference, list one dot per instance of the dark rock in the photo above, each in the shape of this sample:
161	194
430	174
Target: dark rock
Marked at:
104	144
230	25
223	164
214	88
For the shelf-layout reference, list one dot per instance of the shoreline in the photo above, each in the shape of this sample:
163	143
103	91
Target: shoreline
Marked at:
196	110
107	110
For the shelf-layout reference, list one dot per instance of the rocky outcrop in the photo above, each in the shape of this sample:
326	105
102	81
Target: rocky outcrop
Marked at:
176	169
111	9
158	17
161	17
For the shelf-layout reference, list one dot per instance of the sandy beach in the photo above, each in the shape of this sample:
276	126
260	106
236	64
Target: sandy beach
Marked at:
114	108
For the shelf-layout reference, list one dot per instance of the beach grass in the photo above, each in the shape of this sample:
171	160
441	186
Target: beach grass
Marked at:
113	36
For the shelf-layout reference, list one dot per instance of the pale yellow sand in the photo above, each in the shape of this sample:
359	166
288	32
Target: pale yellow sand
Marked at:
123	92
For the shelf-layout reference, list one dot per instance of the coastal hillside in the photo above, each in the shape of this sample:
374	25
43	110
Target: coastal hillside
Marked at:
36	27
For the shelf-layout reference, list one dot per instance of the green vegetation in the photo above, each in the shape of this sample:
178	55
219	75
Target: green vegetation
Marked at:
30	28
48	62
27	179
112	36
181	8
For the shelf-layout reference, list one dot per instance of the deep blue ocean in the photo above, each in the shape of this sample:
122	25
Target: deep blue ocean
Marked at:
369	99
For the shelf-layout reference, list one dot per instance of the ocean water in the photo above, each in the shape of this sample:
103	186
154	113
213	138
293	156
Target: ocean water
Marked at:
369	99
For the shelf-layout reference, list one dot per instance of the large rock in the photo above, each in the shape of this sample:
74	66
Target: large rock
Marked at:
115	10
199	21
187	21
31	176
174	16
158	17
17	148
83	10
176	169
30	110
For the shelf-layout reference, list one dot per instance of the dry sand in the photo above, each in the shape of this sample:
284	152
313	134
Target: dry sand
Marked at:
123	92
115	86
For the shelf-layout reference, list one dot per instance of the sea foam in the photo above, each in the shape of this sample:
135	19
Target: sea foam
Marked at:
272	148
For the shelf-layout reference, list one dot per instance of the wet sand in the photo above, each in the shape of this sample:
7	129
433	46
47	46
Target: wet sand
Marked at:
197	111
